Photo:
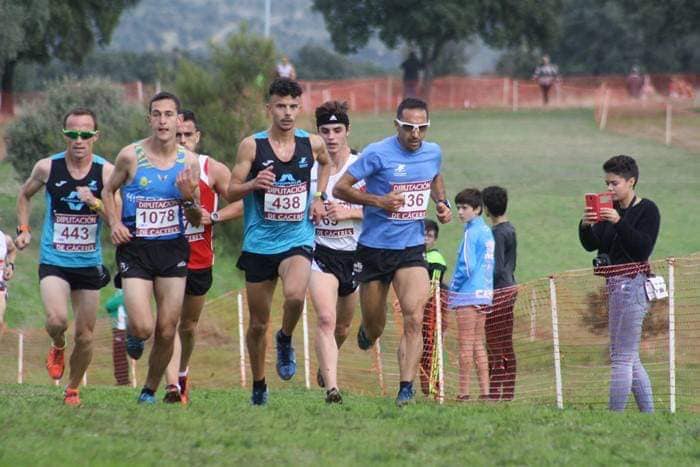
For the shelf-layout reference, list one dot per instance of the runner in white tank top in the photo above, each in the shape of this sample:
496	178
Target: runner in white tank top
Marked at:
333	285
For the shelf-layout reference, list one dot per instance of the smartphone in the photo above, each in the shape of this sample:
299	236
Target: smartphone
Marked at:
596	201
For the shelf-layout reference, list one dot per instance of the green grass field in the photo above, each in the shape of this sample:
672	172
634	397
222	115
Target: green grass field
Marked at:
297	428
547	160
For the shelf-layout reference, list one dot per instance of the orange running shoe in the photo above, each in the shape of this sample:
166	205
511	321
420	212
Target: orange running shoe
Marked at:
71	397
183	381
55	363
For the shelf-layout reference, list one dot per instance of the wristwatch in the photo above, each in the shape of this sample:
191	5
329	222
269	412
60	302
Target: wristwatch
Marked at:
445	202
322	195
215	217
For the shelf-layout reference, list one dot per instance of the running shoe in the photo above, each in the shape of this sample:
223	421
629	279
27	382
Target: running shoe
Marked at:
363	341
406	396
259	396
172	394
333	396
319	379
71	397
134	346
286	360
55	362
183	381
462	398
146	398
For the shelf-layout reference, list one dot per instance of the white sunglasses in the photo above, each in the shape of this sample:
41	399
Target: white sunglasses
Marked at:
411	127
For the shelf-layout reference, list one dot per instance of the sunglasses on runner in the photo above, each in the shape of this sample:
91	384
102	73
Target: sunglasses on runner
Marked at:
75	134
411	127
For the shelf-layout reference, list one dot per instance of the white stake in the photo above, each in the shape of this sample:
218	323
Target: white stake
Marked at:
20	358
555	342
604	112
438	325
307	361
241	339
515	95
533	315
672	334
669	111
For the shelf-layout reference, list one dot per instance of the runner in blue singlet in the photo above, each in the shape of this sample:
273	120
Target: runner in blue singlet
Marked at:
159	185
272	175
401	174
70	259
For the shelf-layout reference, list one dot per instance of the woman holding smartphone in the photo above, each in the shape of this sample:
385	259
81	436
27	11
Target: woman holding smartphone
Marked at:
624	237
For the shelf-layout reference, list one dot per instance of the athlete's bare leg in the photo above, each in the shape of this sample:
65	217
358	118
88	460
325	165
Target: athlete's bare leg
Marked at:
192	307
3	307
344	314
137	301
259	304
466	329
169	293
480	355
324	295
54	294
373	304
295	273
413	290
85	305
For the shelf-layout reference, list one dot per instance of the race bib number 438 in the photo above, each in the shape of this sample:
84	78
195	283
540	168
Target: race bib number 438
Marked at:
286	203
75	232
155	218
416	197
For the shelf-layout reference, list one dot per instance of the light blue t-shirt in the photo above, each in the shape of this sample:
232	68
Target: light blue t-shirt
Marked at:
386	166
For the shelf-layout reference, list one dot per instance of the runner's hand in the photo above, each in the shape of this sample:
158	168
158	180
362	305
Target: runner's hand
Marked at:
206	217
393	201
336	211
444	214
265	179
9	272
86	196
186	183
22	241
120	234
318	211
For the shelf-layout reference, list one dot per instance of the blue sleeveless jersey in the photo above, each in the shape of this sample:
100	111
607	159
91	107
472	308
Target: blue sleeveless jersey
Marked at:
71	232
277	220
151	202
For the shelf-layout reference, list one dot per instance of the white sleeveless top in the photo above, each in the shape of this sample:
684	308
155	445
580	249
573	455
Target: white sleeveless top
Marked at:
338	235
3	253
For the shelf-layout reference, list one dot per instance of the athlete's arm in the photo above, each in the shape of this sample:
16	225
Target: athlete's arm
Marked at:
344	190
188	184
9	258
338	212
238	187
318	148
85	194
37	179
437	192
124	167
222	178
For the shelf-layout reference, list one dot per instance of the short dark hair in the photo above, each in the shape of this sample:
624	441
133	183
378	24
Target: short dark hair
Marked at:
330	108
188	116
411	103
80	111
470	197
163	95
431	226
624	166
495	199
284	87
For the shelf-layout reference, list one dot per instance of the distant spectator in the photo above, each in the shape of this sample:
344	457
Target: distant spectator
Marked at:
635	82
546	75
285	69
411	68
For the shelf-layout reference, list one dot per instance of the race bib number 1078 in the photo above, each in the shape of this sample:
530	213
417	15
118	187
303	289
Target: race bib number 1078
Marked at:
155	218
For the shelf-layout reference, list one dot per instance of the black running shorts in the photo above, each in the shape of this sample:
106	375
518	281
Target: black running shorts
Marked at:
260	268
148	259
90	278
380	264
340	264
198	281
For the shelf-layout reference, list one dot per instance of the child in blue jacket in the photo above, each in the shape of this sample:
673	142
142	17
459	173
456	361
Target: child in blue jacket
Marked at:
471	291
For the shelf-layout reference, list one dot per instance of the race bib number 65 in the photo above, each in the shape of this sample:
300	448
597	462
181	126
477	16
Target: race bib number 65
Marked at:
155	218
416	197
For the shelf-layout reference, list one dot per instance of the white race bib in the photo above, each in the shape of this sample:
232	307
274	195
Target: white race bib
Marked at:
155	218
75	232
286	203
416	197
336	229
193	233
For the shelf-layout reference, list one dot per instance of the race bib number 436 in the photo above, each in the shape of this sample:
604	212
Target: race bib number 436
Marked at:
416	197
286	203
75	232
155	218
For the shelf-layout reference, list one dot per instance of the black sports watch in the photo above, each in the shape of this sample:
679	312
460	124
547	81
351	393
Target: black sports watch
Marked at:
322	195
445	202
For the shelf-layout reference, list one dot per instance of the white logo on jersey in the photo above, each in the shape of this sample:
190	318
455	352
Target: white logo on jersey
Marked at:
400	170
266	163
61	183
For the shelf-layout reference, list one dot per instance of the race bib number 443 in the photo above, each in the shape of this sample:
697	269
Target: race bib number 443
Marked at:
75	232
416	197
286	203
155	218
